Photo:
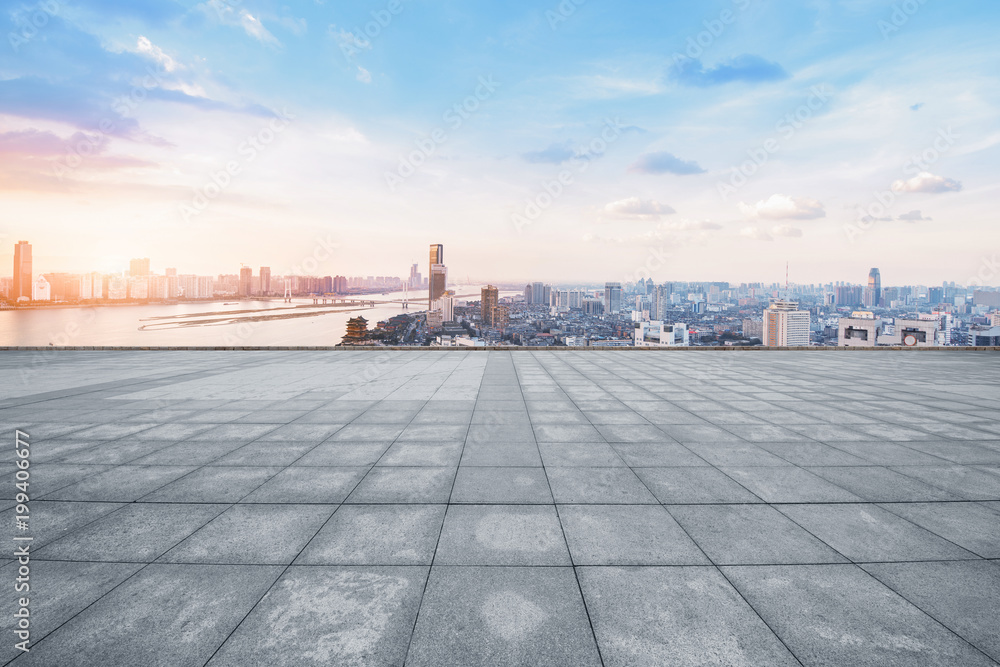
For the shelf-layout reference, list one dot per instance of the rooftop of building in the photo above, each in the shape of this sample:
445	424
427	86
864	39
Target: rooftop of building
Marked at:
495	508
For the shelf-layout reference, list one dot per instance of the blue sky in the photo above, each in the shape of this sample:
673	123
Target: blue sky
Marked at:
564	142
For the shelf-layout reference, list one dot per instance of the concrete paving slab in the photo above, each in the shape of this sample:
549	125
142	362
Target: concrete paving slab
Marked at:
626	535
969	525
502	535
124	483
377	535
600	486
787	484
404	485
222	484
350	616
136	533
252	535
866	533
307	485
502	616
59	591
751	535
659	616
690	485
141	621
480	485
840	615
962	595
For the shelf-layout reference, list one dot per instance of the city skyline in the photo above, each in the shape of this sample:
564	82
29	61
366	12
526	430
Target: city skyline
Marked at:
712	142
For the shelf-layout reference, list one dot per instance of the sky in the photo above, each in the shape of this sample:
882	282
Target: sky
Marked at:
572	141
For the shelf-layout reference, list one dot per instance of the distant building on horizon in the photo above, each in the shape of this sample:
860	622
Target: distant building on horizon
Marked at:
873	293
138	267
612	298
785	325
246	281
489	305
265	280
22	271
437	284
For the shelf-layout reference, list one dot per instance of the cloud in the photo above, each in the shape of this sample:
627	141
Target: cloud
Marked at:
208	104
364	76
755	233
912	216
639	208
783	207
348	42
747	68
916	107
39	143
227	14
147	48
664	163
787	231
927	182
253	27
554	154
692	226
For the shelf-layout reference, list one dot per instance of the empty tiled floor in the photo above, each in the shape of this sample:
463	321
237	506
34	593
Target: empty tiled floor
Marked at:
508	508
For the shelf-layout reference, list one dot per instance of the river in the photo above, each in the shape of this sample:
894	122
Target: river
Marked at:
200	323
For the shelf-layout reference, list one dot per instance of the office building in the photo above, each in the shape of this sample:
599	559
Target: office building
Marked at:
658	334
438	282
22	271
246	281
265	280
859	330
41	290
538	293
785	325
490	301
612	298
913	333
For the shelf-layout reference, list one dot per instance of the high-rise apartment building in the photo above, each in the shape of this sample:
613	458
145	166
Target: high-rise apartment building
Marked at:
538	293
22	271
265	280
490	302
246	281
138	267
785	325
612	298
437	284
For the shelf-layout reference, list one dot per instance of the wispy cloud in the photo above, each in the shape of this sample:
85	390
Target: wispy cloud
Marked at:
912	216
634	207
927	182
783	207
554	154
748	68
664	163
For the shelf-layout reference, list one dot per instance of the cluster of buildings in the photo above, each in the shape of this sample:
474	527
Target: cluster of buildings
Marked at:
670	314
141	284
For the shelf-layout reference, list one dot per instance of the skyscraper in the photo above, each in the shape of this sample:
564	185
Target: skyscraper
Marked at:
537	293
246	281
438	282
139	267
265	280
22	270
490	304
873	294
612	298
785	325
